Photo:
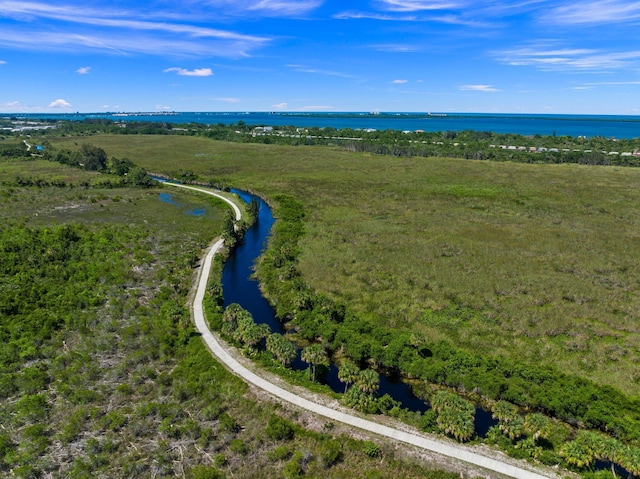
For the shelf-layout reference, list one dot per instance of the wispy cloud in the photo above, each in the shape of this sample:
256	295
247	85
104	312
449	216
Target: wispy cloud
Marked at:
262	8
352	15
114	30
416	5
441	13
227	99
399	82
595	12
304	69
2	62
83	70
198	72
481	88
397	48
593	85
284	7
614	83
59	103
11	105
280	106
551	58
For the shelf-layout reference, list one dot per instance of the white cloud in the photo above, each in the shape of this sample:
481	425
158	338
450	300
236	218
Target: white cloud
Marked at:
595	12
280	106
284	7
114	31
396	48
349	15
417	5
551	58
163	108
11	104
482	88
304	69
198	72
399	82
83	70
227	99
2	62
59	103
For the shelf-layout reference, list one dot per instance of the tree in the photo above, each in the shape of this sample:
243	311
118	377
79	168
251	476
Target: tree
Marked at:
230	318
122	166
283	349
252	334
630	459
537	425
348	374
93	158
315	355
455	415
138	177
368	381
510	422
577	454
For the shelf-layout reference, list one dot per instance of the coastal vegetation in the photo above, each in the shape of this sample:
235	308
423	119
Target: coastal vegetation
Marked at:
510	284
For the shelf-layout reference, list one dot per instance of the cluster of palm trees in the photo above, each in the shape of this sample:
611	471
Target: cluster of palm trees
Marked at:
239	325
455	414
360	386
582	452
589	447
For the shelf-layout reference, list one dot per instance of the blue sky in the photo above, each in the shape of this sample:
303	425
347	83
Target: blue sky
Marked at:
518	56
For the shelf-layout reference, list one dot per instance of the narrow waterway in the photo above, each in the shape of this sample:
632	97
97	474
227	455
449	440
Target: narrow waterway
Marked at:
240	287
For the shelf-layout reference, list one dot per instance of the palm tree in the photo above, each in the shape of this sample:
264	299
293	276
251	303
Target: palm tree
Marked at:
283	349
230	318
537	425
253	333
577	454
511	423
455	414
630	459
368	381
348	373
315	355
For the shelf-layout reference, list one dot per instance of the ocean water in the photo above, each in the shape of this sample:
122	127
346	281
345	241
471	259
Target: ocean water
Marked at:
608	126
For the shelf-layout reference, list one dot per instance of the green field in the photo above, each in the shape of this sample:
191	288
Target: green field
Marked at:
542	259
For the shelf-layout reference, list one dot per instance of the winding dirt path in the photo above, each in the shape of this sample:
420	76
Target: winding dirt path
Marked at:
439	447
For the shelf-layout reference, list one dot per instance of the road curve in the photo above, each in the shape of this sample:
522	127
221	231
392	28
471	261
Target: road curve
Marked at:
413	439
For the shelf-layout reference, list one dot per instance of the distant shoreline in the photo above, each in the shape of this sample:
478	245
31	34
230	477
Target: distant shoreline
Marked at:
608	126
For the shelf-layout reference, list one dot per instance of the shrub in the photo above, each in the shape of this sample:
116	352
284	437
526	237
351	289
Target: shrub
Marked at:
204	472
371	449
280	453
279	429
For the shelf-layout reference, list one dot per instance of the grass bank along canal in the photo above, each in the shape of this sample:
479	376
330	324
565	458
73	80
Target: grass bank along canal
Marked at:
240	287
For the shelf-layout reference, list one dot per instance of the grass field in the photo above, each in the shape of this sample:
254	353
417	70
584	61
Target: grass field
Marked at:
544	257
